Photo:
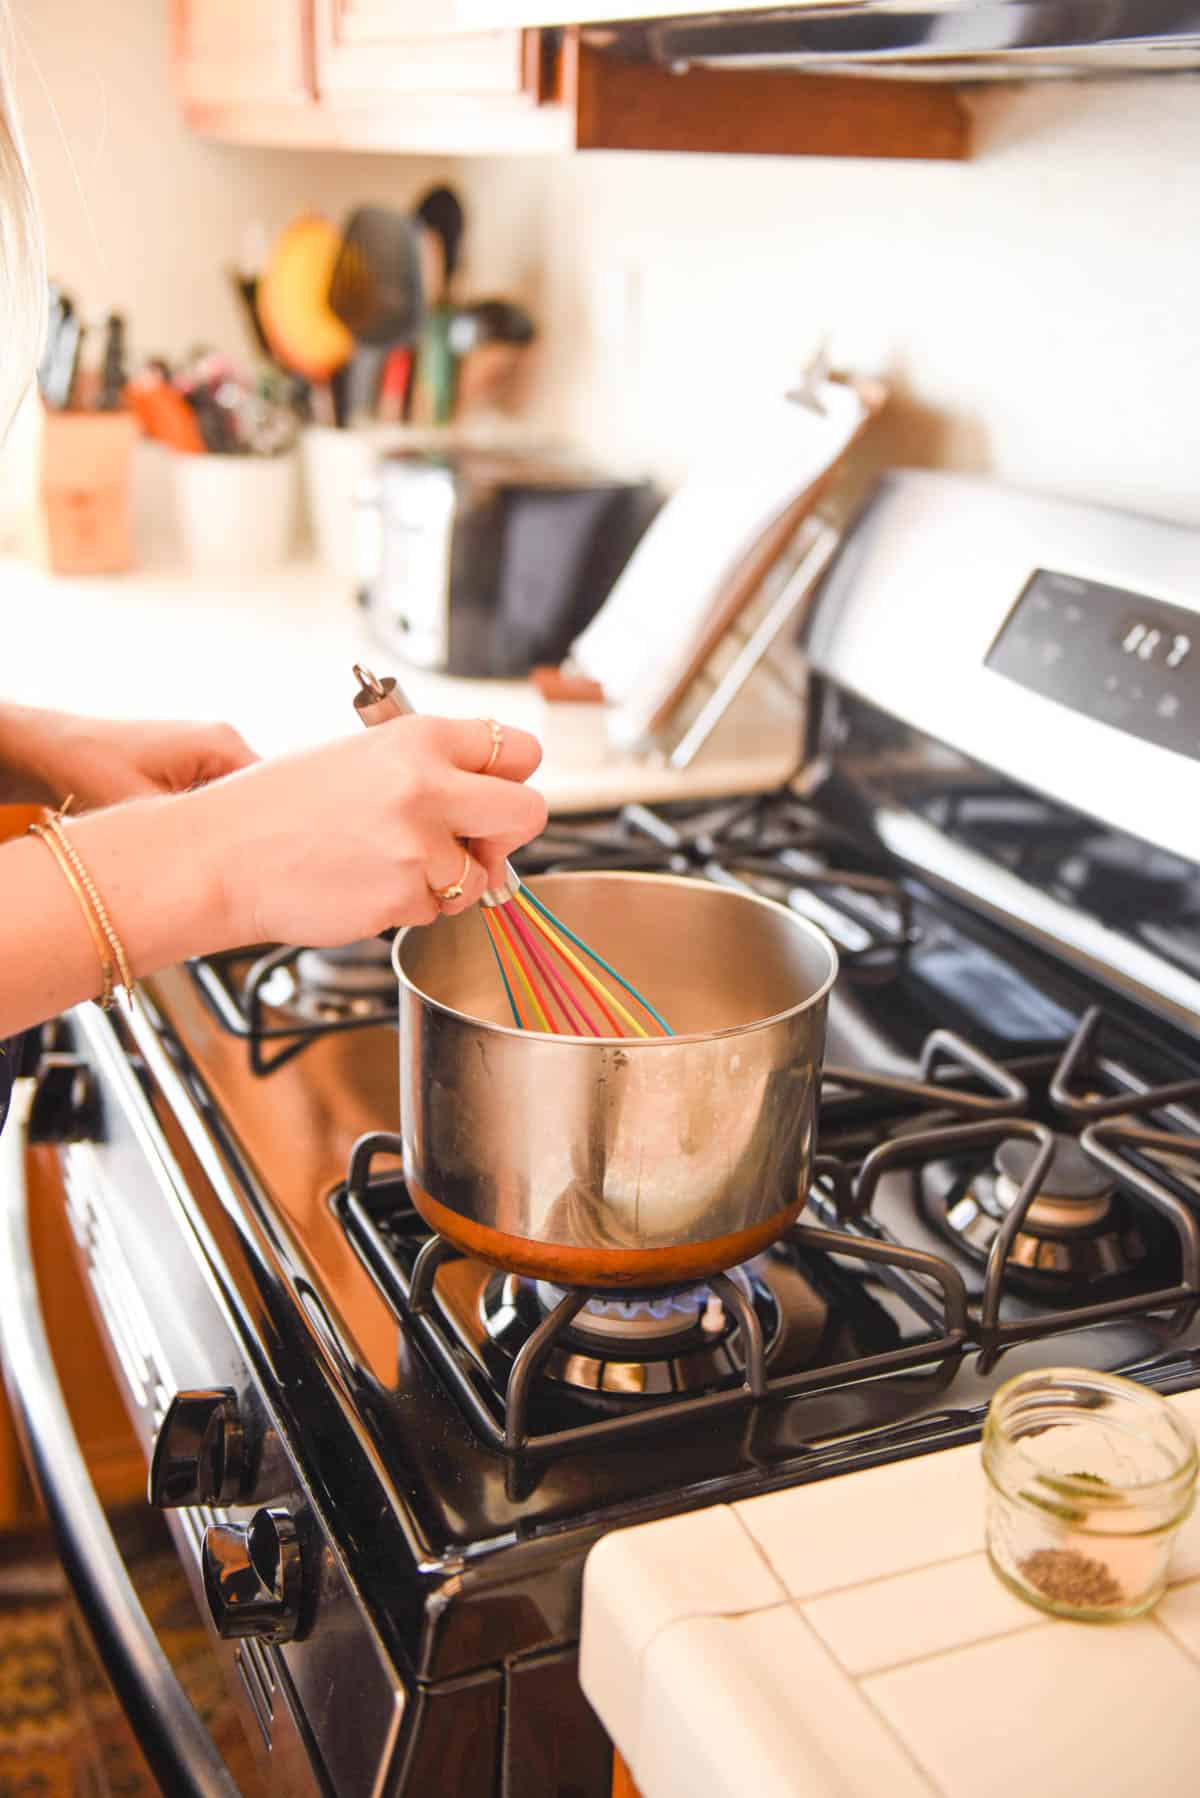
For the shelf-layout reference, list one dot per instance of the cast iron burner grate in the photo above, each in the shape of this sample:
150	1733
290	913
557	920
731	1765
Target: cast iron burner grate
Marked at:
362	1201
281	999
1142	1136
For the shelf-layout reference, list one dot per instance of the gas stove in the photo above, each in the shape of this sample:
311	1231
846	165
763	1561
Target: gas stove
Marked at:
384	1462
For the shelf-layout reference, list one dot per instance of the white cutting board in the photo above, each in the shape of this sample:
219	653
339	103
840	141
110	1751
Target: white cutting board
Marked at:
643	633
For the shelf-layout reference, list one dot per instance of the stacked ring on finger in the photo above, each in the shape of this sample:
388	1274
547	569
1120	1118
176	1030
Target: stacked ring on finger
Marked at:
497	745
456	889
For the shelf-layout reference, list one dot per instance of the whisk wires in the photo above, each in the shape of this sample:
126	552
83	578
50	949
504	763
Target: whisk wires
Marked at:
535	961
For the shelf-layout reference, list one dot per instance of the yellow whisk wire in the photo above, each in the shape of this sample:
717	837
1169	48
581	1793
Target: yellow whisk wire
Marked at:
585	974
515	966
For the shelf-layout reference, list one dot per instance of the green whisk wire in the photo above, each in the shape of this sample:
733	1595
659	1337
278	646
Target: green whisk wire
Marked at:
557	924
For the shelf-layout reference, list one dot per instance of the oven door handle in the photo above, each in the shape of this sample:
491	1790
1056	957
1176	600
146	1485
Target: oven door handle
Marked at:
169	1731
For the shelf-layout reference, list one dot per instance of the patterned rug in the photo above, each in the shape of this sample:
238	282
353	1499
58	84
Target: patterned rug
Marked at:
62	1733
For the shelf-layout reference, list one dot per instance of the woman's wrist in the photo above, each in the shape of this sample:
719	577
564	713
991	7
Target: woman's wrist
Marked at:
158	865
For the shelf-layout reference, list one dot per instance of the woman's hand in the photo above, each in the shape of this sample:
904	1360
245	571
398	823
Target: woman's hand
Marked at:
323	847
332	844
103	761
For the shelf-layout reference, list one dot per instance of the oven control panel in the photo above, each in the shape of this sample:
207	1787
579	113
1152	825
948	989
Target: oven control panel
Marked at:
1111	654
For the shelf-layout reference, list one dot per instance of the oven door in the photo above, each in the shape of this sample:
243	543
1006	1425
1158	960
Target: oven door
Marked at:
152	1683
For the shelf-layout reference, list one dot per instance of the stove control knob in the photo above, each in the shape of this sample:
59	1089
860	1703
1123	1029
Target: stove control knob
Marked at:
200	1455
254	1577
66	1106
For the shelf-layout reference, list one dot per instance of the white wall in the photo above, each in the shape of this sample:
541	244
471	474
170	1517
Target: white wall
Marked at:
1040	303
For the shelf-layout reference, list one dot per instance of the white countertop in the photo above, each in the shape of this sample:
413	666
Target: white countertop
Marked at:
848	1638
272	654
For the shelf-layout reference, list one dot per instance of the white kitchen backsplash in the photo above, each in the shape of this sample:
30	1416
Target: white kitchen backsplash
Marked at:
1037	304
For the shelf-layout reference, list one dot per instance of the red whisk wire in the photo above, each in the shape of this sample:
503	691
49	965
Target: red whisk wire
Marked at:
578	1021
594	990
500	951
523	971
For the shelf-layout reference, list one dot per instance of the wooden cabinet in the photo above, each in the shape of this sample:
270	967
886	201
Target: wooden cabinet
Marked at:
242	52
384	49
471	77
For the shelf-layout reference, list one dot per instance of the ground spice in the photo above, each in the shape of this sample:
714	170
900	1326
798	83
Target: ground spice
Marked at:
1065	1576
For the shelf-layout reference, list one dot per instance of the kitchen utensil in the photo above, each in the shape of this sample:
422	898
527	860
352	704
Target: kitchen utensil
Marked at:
359	384
636	1164
490	321
60	359
245	288
542	963
112	370
393	392
163	413
375	288
57	307
488	340
305	335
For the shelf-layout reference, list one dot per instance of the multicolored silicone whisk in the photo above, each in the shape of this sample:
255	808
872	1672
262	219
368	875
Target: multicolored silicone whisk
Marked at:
543	965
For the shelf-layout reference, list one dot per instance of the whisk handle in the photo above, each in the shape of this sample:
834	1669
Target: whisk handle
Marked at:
378	700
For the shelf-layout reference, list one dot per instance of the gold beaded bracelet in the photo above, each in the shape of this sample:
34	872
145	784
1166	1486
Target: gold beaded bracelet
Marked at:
109	951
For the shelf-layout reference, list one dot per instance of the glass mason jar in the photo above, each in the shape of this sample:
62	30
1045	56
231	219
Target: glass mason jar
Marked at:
1089	1478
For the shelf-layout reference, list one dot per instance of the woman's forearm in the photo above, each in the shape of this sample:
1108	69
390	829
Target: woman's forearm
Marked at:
149	870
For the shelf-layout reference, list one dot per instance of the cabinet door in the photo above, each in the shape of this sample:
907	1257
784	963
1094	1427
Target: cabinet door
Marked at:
368	48
234	52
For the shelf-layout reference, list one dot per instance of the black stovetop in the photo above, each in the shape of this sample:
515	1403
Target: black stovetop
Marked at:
882	1333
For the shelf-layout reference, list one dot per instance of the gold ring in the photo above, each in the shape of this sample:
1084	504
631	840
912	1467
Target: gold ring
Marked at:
444	894
497	745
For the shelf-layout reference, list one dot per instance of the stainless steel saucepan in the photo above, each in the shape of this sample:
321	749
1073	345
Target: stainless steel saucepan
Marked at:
618	1163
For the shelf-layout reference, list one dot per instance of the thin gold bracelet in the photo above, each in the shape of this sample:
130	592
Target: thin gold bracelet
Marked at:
98	937
54	822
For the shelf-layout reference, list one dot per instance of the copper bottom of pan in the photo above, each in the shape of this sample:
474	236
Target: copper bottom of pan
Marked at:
630	1269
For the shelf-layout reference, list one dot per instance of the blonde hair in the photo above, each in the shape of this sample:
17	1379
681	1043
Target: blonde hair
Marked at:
22	258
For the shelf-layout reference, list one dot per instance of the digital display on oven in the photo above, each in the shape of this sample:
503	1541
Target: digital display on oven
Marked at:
1110	654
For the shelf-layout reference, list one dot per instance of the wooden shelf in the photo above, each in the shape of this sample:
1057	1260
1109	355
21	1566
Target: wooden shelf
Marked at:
621	105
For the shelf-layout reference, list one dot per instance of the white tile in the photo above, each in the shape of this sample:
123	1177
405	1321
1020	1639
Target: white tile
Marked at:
867	1526
638	1581
895	1620
1179	1612
1071	1710
755	1707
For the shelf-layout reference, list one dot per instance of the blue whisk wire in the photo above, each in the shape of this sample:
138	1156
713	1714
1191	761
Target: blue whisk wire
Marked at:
557	924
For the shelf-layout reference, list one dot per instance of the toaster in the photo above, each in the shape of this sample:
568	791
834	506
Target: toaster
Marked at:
490	563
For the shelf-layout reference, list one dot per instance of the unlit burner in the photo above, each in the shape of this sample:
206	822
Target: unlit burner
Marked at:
325	986
1076	1229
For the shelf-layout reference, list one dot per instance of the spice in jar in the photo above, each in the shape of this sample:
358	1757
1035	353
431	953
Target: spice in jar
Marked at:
1066	1577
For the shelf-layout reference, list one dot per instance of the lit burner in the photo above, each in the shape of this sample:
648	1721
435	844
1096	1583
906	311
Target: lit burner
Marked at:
1077	1229
327	986
654	1318
653	1344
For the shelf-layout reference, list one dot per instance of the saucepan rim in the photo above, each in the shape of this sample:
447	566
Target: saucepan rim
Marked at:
640	1044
